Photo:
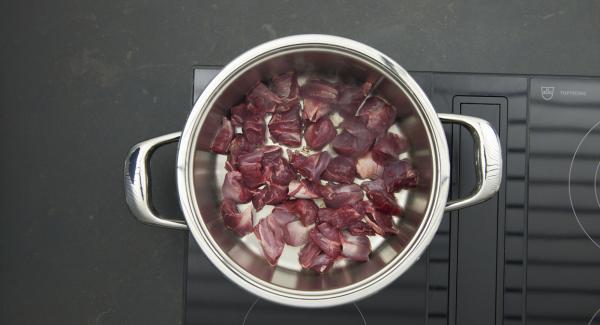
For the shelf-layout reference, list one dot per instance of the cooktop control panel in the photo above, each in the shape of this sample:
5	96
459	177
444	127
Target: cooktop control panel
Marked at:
529	255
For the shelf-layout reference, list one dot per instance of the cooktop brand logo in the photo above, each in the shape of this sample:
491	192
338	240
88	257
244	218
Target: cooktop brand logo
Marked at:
547	93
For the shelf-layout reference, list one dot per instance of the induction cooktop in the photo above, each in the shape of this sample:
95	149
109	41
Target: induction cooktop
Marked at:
530	255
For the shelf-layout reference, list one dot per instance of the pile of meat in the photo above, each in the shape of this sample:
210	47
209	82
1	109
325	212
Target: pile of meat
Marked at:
331	219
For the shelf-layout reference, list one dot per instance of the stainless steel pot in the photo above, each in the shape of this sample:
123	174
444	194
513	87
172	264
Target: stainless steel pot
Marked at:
199	173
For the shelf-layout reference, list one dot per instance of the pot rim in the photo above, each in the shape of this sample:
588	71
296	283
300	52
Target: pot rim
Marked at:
399	264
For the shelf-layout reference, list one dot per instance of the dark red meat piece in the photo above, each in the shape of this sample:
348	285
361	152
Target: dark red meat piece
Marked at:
314	165
355	248
278	171
286	127
319	96
320	133
285	86
381	223
239	146
381	199
398	175
355	140
270	194
282	215
240	223
316	88
388	146
239	113
315	109
377	114
306	210
343	217
295	233
350	97
345	144
251	174
304	189
366	167
340	169
269	153
249	164
253	110
360	228
234	189
325	214
279	218
263	98
254	129
338	195
296	159
357	128
271	241
221	141
327	238
254	156
312	257
263	155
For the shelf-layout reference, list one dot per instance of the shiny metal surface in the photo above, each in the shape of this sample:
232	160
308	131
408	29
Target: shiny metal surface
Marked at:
198	172
488	160
199	192
137	182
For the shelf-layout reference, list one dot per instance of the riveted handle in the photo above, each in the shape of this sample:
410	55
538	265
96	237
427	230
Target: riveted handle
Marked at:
137	182
488	160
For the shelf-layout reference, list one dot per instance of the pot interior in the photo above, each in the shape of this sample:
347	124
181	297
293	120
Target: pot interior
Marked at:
243	254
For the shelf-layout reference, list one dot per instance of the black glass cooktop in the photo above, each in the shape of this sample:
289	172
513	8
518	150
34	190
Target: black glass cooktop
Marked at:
531	255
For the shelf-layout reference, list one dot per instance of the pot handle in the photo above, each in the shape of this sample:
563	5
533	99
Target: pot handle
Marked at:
488	160
137	182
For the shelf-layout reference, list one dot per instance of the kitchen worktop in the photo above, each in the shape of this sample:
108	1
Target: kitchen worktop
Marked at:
82	81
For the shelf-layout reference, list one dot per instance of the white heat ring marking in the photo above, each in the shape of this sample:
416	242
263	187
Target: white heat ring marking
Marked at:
355	305
569	185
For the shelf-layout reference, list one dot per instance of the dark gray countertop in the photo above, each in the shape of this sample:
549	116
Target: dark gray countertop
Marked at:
81	81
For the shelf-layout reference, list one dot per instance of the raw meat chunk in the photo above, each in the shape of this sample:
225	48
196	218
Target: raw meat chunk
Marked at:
270	194
254	129
314	165
304	189
312	257
234	189
381	199
319	96
285	86
340	169
271	241
278	171
350	98
388	146
295	233
338	195
355	248
221	141
286	127
361	228
305	209
398	175
327	238
366	167
240	113
240	223
381	223
355	140
263	98
239	146
377	114
343	217
319	134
